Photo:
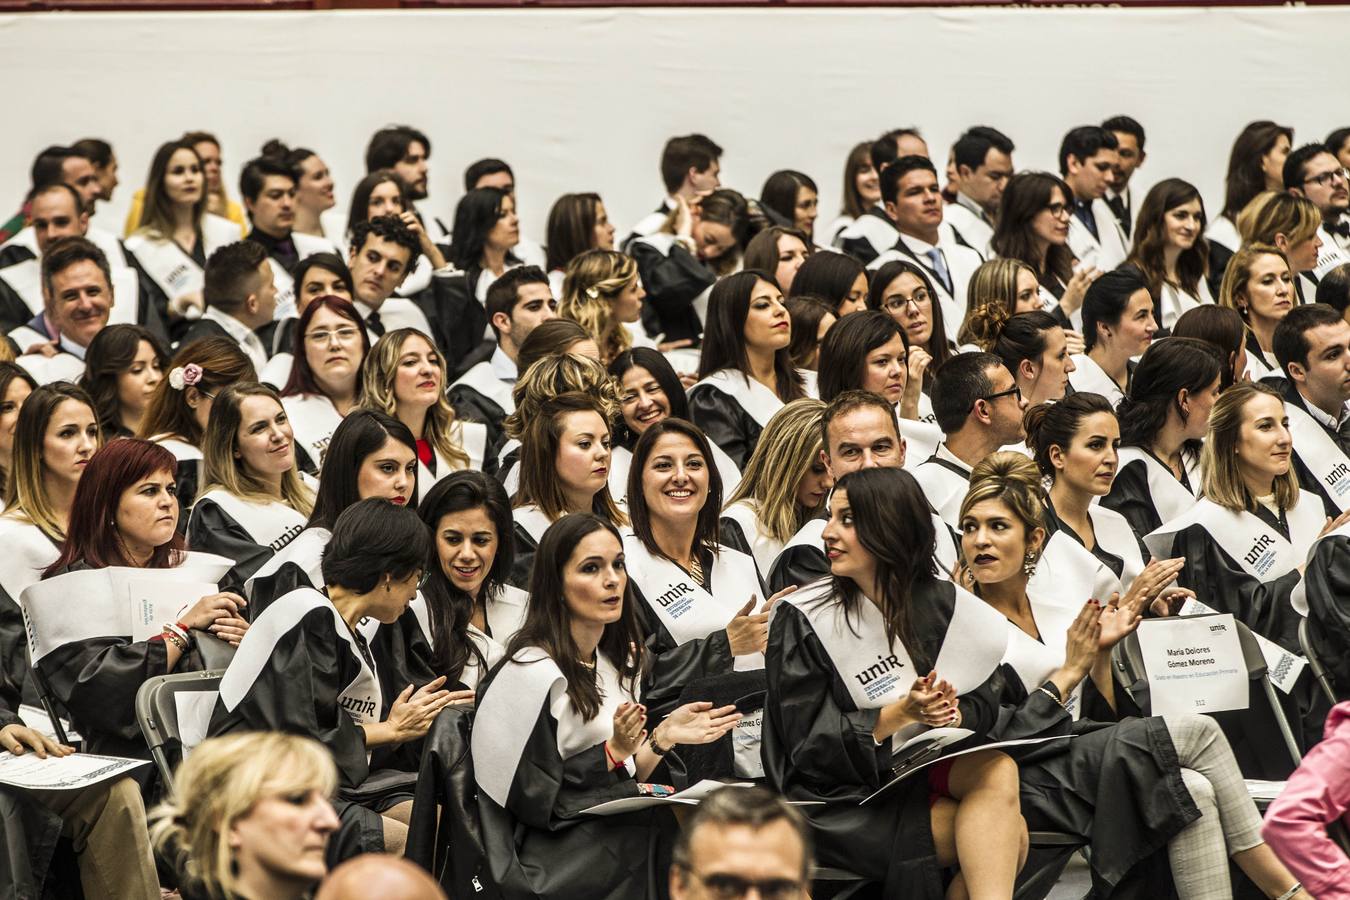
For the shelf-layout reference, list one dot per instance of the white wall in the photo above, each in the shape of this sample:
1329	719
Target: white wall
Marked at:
584	99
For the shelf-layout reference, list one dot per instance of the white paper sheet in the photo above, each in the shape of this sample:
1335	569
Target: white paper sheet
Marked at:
1194	665
153	603
690	796
1283	667
79	770
36	718
1264	790
194	715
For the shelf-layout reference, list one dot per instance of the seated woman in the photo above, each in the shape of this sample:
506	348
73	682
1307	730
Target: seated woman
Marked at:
1073	442
1170	249
681	262
181	406
576	223
250	816
834	717
811	320
564	468
376	457
1163	419
1259	284
902	291
467	611
699	600
560	727
309	637
781	250
175	235
790	197
485	235
55	435
1246	541
838	279
1290	223
254	502
1222	328
404	376
1169	780
124	520
1008	284
123	366
650	392
1033	346
745	372
1118	326
785	484
601	292
15	387
317	275
330	346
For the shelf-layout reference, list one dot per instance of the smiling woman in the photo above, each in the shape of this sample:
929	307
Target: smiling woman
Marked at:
124	365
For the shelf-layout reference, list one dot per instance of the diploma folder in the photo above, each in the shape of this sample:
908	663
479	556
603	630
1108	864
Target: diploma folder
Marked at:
930	746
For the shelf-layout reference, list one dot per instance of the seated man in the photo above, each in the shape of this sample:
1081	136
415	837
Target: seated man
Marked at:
691	169
497	173
1088	159
241	297
77	298
268	189
738	839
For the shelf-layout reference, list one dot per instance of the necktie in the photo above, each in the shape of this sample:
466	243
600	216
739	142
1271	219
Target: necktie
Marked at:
1084	213
374	324
1343	432
940	268
1117	204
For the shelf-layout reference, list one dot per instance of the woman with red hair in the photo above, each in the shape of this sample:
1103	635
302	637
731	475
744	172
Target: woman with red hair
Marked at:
121	602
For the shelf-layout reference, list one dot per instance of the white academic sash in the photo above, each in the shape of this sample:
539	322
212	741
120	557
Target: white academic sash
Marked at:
314	418
306	552
509	472
26	280
472	439
810	383
1320	454
921	438
1173	302
1170	497
1223	231
305	245
687	609
506	719
272	524
812	534
28	553
1115	536
173	271
96	603
481	379
752	396
874	229
1074	565
533	519
361	698
505	616
763	546
1259	550
944	489
1330	256
876	672
1088	376
1035	661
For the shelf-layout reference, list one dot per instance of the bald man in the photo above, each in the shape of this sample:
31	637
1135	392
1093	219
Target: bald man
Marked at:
379	875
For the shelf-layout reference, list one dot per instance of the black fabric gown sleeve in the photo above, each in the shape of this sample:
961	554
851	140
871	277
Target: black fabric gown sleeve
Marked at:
1131	498
523	563
212	530
13	310
730	535
472	406
673	666
538	845
297	692
1327	583
799	565
266	589
97	680
13	654
673	282
724	422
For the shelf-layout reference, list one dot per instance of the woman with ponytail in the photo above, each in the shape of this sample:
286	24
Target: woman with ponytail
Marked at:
1033	346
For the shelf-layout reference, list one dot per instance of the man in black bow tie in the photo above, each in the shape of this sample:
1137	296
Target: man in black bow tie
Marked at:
1313	171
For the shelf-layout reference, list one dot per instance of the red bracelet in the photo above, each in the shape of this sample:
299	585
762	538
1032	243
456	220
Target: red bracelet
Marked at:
613	764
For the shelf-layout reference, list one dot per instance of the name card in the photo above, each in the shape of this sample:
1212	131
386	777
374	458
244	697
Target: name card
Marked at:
1282	667
1194	665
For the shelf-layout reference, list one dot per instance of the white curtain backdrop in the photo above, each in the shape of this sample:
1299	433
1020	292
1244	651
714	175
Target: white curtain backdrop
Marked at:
583	99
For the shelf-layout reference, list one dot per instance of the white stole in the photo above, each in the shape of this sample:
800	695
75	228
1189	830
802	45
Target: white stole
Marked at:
687	609
533	520
314	418
482	379
1033	660
1259	550
752	396
1088	376
1170	497
763	546
272	524
1320	454
305	552
471	438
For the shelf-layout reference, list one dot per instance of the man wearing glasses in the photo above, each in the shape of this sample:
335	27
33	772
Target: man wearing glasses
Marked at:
742	840
1313	171
979	408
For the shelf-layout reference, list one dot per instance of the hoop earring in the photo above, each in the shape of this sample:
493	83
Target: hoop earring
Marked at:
1029	564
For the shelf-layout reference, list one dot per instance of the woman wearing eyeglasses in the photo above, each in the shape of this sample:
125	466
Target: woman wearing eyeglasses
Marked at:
330	345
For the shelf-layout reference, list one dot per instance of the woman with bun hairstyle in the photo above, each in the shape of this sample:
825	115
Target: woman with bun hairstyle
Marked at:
249	816
1223	330
1171	250
254	501
785	485
745	372
1150	792
1163	420
178	412
1032	345
649	393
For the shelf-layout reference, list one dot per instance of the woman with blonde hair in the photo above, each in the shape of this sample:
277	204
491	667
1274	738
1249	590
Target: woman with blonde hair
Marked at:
249	817
785	483
181	405
404	376
1259	284
1012	285
254	501
1290	224
602	293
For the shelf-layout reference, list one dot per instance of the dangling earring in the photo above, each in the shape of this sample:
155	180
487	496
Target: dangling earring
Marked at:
1029	564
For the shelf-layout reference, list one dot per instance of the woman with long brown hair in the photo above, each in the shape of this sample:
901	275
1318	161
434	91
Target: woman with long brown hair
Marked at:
1171	250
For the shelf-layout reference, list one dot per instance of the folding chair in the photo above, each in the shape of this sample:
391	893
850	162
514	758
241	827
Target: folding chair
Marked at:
157	712
1315	662
1129	662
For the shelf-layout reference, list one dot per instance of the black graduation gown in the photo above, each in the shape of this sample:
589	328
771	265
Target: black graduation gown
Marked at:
473	406
13	310
458	321
28	830
538	845
1326	586
799	564
673	280
212	529
1131	497
726	423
